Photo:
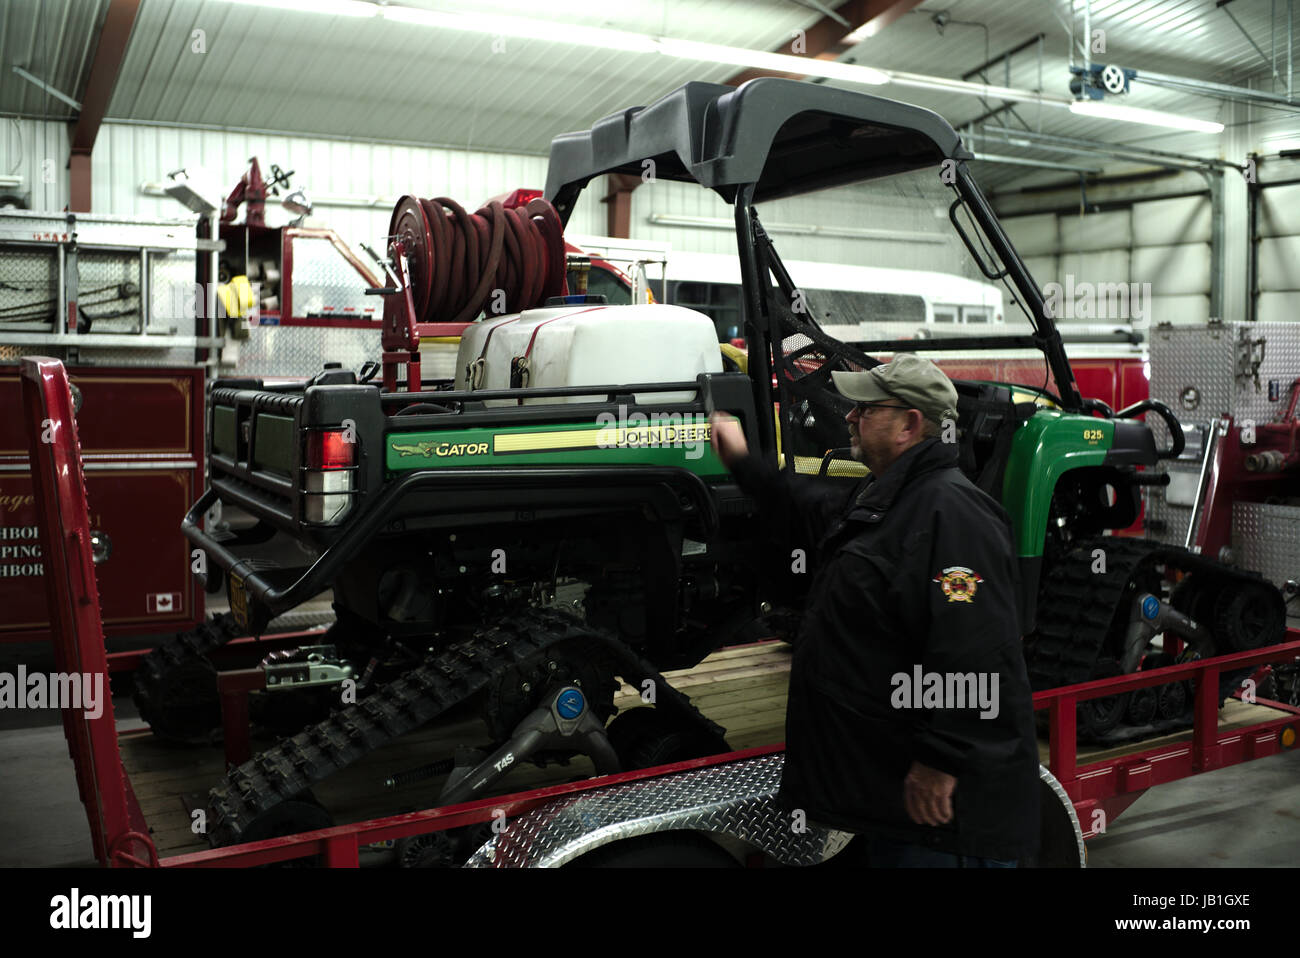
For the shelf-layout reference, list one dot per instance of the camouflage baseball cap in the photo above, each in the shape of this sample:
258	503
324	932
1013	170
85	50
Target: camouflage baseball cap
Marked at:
908	379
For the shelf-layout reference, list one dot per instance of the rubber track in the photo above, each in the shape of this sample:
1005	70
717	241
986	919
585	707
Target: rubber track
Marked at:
1077	606
405	704
174	653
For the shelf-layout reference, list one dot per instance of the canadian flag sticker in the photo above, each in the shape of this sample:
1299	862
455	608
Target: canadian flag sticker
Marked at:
163	602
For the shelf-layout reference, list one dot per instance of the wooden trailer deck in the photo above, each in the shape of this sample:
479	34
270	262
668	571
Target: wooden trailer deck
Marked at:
742	688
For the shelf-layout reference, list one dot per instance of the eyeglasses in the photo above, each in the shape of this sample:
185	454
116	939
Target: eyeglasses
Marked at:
862	408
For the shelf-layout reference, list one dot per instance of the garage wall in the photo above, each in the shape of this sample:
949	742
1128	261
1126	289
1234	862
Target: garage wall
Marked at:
1164	243
38	152
127	155
1277	247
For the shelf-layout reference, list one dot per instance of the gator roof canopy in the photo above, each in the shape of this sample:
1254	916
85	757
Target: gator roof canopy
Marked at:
788	136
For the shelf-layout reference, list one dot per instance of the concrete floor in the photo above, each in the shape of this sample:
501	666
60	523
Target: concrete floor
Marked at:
1244	816
42	822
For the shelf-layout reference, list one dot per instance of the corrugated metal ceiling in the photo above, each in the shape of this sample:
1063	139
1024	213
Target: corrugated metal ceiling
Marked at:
52	40
272	69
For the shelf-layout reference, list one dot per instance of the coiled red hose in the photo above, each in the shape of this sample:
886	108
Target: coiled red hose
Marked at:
458	262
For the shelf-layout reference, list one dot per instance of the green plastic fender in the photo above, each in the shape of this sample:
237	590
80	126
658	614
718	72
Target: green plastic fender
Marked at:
1044	448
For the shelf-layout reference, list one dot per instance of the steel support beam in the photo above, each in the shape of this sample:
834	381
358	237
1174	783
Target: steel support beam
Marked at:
1004	55
100	82
618	212
825	38
1218	258
52	91
1137	154
1223	5
1223	91
1041	164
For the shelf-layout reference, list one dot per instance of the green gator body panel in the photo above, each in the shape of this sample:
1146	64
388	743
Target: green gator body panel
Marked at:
1050	444
659	443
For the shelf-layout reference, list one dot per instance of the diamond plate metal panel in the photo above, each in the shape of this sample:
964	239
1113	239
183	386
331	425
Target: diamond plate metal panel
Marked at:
100	229
29	291
1218	362
108	251
144	356
736	799
171	286
1266	539
326	285
1192	357
1050	780
301	350
102	279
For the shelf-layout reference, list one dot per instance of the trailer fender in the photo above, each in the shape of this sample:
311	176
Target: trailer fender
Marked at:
735	800
1060	841
729	803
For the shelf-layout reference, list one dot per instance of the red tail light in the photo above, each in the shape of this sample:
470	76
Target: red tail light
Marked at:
330	450
520	197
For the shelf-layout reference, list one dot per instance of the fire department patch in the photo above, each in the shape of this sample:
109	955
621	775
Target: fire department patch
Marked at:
959	583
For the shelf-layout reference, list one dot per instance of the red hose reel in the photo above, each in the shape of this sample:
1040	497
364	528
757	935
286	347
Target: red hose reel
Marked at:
501	259
458	261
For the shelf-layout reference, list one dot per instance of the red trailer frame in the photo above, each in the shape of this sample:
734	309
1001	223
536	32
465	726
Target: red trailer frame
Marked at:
120	834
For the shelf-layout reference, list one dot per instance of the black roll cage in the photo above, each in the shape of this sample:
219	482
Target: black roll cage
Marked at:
730	139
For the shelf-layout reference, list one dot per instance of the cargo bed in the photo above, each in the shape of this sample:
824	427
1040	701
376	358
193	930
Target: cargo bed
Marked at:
741	688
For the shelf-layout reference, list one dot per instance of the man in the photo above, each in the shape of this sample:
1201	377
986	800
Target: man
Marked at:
909	718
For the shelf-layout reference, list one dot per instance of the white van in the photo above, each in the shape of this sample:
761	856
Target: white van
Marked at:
838	296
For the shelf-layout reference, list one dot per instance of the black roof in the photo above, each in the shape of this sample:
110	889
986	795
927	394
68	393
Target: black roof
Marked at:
788	136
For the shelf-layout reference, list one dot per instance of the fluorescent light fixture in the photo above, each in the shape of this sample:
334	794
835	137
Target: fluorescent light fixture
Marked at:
622	40
949	85
524	29
783	62
864	32
335	8
1132	114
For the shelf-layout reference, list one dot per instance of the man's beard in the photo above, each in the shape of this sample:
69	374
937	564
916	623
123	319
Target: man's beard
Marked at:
857	451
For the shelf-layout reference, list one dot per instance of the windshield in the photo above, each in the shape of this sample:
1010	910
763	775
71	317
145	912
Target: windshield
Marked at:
884	262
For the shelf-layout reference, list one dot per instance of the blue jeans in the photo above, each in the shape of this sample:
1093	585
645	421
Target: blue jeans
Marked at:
886	854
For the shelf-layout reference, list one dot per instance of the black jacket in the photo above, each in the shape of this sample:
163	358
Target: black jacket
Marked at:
914	570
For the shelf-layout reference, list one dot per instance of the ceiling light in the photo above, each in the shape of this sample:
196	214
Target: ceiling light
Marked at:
337	8
864	32
525	29
782	62
1132	114
950	85
621	40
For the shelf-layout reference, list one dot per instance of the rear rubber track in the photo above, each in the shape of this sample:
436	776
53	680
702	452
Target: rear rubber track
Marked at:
407	703
187	650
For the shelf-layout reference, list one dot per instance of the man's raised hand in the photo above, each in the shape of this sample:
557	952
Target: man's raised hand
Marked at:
728	438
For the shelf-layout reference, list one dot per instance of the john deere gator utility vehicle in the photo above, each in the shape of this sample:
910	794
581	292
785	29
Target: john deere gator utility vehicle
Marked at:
553	518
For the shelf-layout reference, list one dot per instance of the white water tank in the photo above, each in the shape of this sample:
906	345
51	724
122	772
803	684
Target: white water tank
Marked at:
589	345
